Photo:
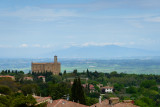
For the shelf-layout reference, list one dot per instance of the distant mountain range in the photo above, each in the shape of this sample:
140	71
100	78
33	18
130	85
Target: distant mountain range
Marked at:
108	51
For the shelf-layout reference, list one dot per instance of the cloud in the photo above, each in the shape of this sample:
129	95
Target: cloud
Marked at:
37	45
153	19
5	46
100	44
92	44
47	46
23	46
39	14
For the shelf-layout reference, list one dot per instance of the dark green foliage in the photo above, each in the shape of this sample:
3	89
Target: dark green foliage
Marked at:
145	102
23	101
30	89
5	90
57	91
131	90
141	88
148	83
17	101
118	87
10	83
90	101
77	91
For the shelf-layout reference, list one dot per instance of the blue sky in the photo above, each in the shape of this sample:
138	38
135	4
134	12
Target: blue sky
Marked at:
58	24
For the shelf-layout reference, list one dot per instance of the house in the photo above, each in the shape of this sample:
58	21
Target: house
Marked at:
104	103
28	78
64	103
43	78
113	102
99	85
122	104
91	87
107	89
40	99
7	76
158	86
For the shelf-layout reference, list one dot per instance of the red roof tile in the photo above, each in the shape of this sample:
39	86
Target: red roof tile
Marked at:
64	103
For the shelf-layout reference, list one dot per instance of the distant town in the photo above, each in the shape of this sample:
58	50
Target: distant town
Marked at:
46	86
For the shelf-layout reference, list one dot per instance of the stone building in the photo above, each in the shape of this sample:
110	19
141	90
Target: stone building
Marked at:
54	67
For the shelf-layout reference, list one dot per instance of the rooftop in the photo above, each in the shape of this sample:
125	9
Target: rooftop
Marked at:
64	103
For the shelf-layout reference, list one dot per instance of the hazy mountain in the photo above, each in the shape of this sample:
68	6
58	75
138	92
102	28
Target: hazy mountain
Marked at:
108	51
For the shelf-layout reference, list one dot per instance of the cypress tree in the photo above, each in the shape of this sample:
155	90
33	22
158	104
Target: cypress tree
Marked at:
81	92
77	91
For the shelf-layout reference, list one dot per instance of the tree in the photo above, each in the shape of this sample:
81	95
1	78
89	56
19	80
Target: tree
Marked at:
23	101
77	92
131	90
148	83
29	89
75	71
64	72
145	102
5	90
57	91
10	83
118	87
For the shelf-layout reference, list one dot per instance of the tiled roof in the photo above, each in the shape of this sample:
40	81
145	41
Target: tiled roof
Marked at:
28	78
41	76
6	76
90	86
41	99
106	87
64	103
104	103
113	98
124	105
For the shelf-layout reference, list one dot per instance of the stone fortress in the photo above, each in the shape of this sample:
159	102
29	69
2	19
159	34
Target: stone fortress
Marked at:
54	67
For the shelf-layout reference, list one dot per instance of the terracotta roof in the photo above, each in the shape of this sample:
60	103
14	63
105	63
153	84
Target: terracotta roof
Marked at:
41	99
124	105
64	103
6	76
91	87
84	85
28	78
104	103
113	98
106	87
41	76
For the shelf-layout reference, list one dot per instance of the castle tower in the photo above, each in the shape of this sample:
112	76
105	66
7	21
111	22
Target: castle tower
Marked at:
55	59
54	67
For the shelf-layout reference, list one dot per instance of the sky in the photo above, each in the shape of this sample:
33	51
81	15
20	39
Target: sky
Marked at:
50	25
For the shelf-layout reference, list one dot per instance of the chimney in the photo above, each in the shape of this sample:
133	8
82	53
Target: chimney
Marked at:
51	101
100	99
113	100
